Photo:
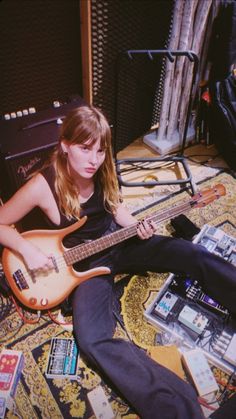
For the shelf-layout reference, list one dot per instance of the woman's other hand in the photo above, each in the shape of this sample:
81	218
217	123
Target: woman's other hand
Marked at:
146	229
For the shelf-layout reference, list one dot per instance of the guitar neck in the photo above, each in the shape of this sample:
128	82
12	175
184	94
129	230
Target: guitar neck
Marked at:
82	251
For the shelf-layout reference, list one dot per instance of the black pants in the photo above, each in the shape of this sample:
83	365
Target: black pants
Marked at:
152	390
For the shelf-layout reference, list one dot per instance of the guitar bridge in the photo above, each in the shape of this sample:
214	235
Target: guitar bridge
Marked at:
20	280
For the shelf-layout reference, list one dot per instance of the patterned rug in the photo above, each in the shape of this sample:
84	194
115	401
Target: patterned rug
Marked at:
40	397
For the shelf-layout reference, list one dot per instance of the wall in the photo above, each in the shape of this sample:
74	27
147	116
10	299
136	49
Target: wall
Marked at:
40	56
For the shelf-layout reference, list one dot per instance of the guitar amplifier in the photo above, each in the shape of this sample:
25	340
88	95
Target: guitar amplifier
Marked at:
26	142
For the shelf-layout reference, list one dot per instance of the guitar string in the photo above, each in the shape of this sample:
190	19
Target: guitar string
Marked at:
61	260
160	216
100	244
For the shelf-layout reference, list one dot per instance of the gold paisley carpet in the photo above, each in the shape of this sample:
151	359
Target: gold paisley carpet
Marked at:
40	397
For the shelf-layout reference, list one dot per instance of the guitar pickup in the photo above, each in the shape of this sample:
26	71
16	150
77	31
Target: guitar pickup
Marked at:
20	280
55	264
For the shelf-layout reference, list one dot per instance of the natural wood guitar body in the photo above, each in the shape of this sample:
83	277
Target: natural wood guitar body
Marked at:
45	289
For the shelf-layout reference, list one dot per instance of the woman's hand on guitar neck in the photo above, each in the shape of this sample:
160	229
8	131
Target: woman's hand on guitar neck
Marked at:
146	229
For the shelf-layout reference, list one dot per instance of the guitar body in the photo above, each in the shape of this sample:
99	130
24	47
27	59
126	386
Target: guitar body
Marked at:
44	290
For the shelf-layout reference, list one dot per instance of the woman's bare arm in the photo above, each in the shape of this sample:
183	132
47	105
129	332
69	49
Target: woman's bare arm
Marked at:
23	201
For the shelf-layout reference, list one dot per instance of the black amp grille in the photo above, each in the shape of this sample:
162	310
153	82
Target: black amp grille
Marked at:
126	94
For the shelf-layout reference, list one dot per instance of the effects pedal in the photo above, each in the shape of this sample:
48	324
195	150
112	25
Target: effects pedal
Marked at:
63	359
193	319
100	404
165	305
197	366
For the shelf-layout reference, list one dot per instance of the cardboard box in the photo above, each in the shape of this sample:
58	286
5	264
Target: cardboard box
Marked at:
11	366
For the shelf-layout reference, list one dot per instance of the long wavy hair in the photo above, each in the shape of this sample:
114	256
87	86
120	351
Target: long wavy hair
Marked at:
80	125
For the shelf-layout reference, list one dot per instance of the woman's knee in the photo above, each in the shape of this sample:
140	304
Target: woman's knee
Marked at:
91	339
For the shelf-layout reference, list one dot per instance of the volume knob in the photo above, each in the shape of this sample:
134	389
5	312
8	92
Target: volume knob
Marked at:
32	301
44	302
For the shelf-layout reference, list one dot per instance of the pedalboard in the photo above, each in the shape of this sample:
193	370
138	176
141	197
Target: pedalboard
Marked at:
185	311
218	242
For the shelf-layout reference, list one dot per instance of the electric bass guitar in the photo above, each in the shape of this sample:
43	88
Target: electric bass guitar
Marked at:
44	290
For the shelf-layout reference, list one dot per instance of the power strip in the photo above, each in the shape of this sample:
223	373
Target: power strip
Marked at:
200	371
100	404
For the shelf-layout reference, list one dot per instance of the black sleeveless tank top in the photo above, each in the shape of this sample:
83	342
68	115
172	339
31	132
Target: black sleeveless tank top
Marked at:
99	219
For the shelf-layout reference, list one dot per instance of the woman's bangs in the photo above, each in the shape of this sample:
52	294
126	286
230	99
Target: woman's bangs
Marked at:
91	130
83	135
96	135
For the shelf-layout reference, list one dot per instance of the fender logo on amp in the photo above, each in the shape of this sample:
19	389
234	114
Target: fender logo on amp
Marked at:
24	170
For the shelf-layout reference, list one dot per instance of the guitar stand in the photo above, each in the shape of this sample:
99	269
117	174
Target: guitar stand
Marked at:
142	163
152	180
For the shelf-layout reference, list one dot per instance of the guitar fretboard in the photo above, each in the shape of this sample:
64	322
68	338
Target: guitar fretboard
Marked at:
82	251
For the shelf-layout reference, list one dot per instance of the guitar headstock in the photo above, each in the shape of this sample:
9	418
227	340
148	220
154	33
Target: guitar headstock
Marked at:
205	197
